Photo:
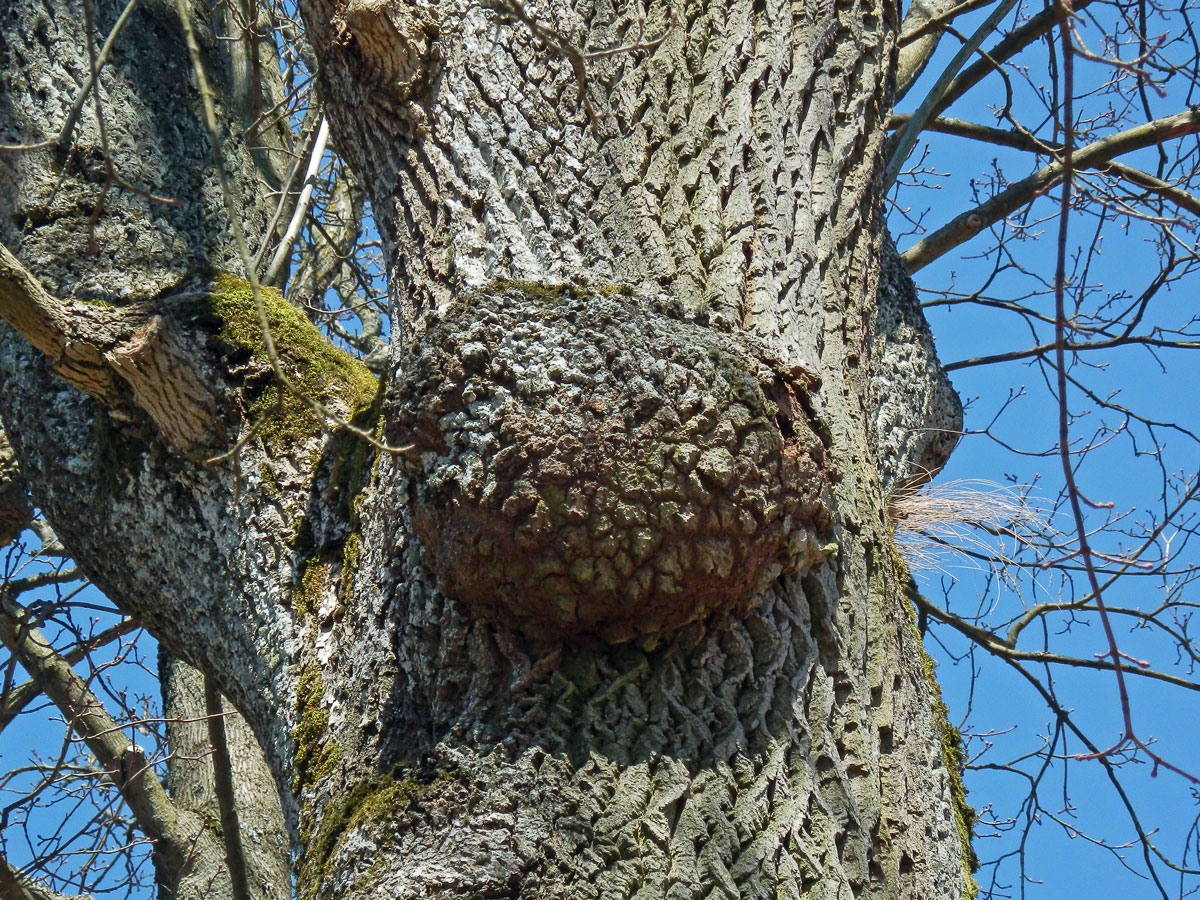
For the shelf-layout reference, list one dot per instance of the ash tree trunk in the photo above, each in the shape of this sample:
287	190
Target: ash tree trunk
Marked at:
620	617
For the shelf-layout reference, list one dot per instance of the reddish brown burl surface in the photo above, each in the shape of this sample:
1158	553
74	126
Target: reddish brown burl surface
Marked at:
588	466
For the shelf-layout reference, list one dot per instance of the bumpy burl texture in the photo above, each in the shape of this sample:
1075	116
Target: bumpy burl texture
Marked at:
585	465
917	414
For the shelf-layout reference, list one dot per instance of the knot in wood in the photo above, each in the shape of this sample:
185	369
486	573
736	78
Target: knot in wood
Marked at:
588	466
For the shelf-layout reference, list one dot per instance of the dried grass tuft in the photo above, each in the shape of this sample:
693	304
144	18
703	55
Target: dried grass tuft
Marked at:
978	523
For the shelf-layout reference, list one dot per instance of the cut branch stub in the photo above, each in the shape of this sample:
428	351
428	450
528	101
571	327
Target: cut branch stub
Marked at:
394	42
587	466
166	382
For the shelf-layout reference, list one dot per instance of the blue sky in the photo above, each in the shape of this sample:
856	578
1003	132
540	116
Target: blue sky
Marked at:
1059	861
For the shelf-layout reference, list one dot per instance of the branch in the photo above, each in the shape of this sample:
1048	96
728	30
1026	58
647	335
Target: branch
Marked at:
283	251
907	138
1024	140
18	586
27	691
304	143
182	844
1011	44
966	225
16	886
920	34
1072	347
1063	715
104	350
997	646
42	320
922	20
235	857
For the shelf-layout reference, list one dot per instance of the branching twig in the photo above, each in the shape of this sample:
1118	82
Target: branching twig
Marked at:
968	224
322	412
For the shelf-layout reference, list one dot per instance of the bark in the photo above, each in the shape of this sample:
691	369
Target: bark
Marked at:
640	360
192	784
15	511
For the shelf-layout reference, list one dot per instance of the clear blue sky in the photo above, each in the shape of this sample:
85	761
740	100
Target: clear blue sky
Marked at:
1065	863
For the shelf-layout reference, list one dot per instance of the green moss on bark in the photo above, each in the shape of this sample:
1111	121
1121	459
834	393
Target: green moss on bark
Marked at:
349	566
306	598
353	459
317	368
378	804
555	293
316	755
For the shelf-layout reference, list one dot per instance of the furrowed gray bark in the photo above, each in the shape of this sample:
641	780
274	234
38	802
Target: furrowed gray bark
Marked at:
191	783
773	733
86	457
732	183
15	510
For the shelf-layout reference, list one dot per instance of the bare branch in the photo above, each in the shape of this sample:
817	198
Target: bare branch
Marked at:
998	646
907	138
88	345
25	693
1024	140
920	34
284	249
235	857
15	886
966	225
1011	44
182	845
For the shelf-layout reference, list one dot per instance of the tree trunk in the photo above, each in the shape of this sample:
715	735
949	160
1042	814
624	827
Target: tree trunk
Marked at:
262	844
621	617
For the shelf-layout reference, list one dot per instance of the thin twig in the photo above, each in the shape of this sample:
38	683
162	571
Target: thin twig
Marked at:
323	413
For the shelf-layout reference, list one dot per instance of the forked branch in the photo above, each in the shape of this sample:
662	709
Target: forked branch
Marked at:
182	843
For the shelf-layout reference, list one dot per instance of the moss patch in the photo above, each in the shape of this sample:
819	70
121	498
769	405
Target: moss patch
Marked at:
349	566
556	293
376	803
316	368
306	598
353	458
316	755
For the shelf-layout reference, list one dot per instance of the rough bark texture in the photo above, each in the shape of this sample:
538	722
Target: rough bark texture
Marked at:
917	415
15	510
150	527
589	466
439	730
191	783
